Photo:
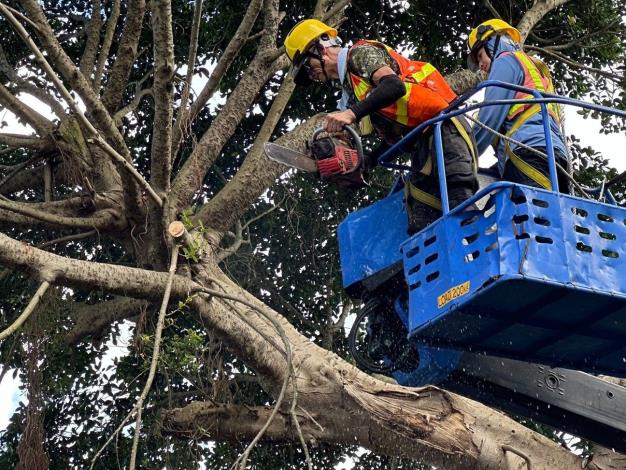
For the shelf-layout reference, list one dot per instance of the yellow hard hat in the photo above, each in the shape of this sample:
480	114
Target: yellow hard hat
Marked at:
480	34
301	38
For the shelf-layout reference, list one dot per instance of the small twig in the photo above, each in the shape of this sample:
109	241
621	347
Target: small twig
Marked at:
294	417
191	61
263	214
313	420
492	9
507	448
135	409
68	238
34	301
235	245
568	61
155	356
133	105
255	36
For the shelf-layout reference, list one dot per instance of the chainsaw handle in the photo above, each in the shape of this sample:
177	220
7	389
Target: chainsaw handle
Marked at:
356	138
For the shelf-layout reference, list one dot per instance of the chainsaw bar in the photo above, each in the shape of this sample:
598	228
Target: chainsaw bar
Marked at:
289	157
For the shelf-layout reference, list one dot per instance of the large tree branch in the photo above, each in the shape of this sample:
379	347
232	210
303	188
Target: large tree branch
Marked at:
257	173
120	280
100	212
13	220
443	429
161	160
93	39
23	141
92	320
104	220
535	14
106	45
125	57
190	178
25	113
432	420
428	424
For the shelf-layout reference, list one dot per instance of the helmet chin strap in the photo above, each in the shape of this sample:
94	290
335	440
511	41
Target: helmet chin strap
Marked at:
496	46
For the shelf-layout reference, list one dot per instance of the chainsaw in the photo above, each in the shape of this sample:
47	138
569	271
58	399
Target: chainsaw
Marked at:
330	158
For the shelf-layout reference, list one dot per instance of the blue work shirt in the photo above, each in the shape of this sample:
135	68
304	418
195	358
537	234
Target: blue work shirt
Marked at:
508	69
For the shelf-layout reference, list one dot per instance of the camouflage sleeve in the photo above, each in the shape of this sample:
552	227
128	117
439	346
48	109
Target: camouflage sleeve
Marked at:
366	59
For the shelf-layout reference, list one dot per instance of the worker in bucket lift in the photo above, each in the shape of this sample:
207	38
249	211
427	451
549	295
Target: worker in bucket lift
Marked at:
396	94
495	48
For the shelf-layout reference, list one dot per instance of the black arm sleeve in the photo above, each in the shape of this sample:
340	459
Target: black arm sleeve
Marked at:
390	88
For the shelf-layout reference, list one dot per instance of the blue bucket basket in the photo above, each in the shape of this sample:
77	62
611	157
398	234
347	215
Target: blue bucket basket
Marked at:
536	275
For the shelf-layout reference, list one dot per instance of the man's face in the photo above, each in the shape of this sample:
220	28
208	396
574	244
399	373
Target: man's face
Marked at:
321	63
314	70
484	62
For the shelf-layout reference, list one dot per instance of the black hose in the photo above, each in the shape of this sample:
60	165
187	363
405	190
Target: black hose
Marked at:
363	360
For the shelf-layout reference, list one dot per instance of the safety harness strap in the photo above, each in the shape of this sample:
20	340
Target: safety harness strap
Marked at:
520	164
416	193
468	140
427	168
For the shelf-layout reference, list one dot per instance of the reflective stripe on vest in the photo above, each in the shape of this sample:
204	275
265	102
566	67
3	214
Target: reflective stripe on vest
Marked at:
535	79
427	92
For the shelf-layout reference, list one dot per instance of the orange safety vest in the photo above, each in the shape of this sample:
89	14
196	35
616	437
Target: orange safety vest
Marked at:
427	92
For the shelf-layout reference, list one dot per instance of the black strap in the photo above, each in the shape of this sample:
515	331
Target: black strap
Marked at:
390	89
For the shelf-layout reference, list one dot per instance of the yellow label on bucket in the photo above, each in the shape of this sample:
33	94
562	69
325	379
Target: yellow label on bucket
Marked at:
451	294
